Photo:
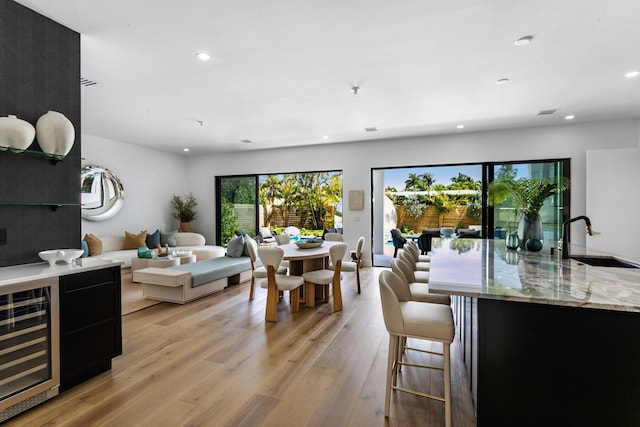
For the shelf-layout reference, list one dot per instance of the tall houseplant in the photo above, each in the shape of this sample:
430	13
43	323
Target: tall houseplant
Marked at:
528	195
184	210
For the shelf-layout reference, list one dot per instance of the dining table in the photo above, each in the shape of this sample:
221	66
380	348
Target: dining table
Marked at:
304	260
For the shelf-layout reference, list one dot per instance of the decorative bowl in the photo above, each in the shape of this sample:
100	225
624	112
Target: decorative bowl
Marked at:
309	243
66	255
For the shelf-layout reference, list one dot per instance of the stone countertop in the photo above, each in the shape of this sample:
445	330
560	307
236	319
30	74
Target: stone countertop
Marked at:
41	270
486	269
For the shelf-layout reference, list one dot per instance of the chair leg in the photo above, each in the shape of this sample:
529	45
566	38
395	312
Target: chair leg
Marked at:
337	294
395	252
310	294
358	275
294	300
447	385
390	368
251	288
271	312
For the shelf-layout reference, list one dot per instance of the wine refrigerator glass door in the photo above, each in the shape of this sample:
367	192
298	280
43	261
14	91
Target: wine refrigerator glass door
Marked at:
29	345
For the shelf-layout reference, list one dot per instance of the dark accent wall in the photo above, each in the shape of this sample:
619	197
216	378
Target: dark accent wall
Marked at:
39	71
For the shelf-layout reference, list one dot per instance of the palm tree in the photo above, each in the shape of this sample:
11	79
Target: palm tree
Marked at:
270	190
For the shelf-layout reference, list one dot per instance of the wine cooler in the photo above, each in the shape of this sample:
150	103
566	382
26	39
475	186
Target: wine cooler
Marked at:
29	345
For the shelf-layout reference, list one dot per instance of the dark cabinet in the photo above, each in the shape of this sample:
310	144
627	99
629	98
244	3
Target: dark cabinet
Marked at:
90	324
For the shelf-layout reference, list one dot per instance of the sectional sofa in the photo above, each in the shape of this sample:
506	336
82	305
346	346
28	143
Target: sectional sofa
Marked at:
113	248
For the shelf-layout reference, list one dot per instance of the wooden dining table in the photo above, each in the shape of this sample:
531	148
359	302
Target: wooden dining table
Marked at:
303	260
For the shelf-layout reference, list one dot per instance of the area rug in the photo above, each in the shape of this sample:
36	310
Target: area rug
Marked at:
132	299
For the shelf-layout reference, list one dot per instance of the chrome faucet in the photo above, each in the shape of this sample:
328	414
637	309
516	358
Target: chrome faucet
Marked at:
565	239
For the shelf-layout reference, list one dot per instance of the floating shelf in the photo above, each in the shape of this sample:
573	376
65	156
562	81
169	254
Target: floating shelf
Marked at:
53	158
51	205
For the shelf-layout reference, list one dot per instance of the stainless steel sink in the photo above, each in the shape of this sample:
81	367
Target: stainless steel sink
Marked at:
603	261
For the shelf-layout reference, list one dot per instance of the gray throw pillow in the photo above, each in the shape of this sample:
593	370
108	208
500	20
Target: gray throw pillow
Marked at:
169	238
153	239
235	247
245	240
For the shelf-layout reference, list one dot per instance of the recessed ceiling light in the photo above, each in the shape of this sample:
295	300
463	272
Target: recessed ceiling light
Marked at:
502	81
569	117
460	126
632	74
522	41
203	56
186	150
325	137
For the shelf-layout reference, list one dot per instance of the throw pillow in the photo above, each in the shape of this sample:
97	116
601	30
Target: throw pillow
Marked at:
169	238
85	248
134	241
245	243
153	239
94	244
235	247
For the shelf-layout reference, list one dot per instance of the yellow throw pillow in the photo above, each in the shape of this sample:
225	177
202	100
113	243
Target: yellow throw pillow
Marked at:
134	241
94	244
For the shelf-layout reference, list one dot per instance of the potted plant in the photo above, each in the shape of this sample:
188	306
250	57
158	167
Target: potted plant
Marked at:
184	210
528	195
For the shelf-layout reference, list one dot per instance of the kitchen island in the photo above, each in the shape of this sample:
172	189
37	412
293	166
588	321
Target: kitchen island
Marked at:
545	341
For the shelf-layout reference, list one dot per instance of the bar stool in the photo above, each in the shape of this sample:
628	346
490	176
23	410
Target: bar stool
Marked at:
419	320
417	291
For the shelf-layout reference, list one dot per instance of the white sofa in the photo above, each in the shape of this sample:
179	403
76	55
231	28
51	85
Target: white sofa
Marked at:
113	248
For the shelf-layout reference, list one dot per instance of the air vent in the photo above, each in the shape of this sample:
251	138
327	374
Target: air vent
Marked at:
547	112
371	129
87	82
246	141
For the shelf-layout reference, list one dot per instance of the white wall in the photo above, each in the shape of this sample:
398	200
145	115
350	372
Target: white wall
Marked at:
612	200
356	160
149	177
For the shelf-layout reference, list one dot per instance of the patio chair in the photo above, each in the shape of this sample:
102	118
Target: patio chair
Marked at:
398	241
424	241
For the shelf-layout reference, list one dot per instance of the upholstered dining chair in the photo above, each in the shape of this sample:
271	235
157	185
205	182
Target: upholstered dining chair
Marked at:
258	272
405	319
415	252
333	237
356	256
275	283
398	240
326	277
282	239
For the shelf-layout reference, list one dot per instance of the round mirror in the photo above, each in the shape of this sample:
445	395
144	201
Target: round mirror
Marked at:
102	194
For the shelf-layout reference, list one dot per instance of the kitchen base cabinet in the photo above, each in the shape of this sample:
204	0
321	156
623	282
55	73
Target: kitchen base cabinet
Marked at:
90	324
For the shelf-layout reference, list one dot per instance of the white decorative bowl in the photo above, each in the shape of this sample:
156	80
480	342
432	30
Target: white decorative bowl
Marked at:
309	244
66	255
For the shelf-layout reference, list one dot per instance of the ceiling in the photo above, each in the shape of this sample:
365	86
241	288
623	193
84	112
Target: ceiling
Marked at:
281	73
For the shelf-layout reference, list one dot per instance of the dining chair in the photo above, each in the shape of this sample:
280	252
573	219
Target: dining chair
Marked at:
418	291
424	240
356	263
326	277
282	239
275	283
405	319
258	271
333	237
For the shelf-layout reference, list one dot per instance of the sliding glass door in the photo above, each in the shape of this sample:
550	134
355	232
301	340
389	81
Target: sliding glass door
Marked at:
416	198
236	206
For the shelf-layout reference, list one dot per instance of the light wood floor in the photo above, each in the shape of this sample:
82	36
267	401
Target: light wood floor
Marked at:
215	362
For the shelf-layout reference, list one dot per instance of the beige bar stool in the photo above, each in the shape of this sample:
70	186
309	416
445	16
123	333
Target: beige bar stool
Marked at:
418	320
417	291
411	274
